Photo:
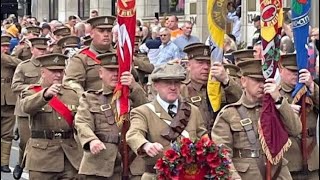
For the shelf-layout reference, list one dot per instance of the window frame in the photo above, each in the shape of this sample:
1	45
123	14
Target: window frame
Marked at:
166	10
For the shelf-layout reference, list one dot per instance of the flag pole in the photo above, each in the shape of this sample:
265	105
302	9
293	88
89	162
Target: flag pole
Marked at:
304	134
125	151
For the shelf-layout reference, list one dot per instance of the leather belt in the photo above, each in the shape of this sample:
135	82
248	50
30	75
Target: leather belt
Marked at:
51	134
150	169
6	80
108	138
247	153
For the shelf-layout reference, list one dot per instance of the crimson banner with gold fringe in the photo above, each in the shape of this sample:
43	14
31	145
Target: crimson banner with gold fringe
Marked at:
272	134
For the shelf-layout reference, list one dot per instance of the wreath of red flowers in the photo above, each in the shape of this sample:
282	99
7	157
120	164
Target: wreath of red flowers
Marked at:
202	159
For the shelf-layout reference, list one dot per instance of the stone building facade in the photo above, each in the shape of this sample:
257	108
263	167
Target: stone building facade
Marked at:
191	10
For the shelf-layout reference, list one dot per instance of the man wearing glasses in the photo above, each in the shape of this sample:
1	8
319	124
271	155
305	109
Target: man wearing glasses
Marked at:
168	51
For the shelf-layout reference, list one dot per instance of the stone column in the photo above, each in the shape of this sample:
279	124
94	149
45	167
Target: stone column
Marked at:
104	7
201	27
67	8
40	9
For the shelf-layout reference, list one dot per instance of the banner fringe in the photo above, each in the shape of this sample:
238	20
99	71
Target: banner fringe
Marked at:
273	160
115	97
299	94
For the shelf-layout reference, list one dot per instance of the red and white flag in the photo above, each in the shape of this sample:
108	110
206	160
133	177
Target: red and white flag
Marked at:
126	17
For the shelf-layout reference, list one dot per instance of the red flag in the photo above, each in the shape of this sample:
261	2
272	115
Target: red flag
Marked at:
273	136
126	10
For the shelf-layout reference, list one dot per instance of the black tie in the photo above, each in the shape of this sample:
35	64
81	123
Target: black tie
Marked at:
170	112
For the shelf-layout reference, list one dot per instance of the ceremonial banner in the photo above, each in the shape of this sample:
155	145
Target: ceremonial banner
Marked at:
272	134
300	24
126	10
217	12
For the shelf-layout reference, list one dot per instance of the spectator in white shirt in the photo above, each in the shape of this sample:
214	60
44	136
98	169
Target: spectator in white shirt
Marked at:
234	17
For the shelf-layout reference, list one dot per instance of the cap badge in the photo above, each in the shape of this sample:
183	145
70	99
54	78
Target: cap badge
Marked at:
206	52
114	59
56	60
228	71
106	20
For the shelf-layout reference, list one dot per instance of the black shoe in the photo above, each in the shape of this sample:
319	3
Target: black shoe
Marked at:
17	172
5	169
16	135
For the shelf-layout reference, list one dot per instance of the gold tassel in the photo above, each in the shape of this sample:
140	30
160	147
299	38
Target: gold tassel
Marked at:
300	93
273	160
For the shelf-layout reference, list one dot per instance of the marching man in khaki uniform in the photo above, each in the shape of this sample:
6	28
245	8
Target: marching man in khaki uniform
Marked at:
8	100
96	125
289	78
57	35
195	90
82	69
23	50
52	152
236	125
153	125
26	73
69	45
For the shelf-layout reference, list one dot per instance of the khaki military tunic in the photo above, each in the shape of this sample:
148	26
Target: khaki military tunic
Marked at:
294	155
82	73
196	94
26	73
147	126
54	152
8	99
228	130
96	120
23	52
143	66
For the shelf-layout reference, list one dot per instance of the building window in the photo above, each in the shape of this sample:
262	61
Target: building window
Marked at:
172	7
84	9
114	7
53	9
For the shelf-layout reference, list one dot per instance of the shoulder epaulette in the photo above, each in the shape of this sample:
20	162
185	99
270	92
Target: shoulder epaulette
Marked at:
92	91
26	61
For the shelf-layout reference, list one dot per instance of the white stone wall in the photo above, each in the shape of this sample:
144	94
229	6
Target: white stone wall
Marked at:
104	7
67	8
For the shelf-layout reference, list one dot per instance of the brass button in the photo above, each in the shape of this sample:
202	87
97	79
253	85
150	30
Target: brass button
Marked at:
42	109
59	117
37	144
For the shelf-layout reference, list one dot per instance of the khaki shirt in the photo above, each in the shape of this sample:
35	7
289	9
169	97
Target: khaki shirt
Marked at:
26	73
197	95
294	155
93	122
82	72
143	66
47	155
22	52
147	126
8	65
227	130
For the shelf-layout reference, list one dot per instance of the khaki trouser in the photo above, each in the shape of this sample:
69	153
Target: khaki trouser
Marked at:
116	175
69	173
314	175
7	126
24	132
7	123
